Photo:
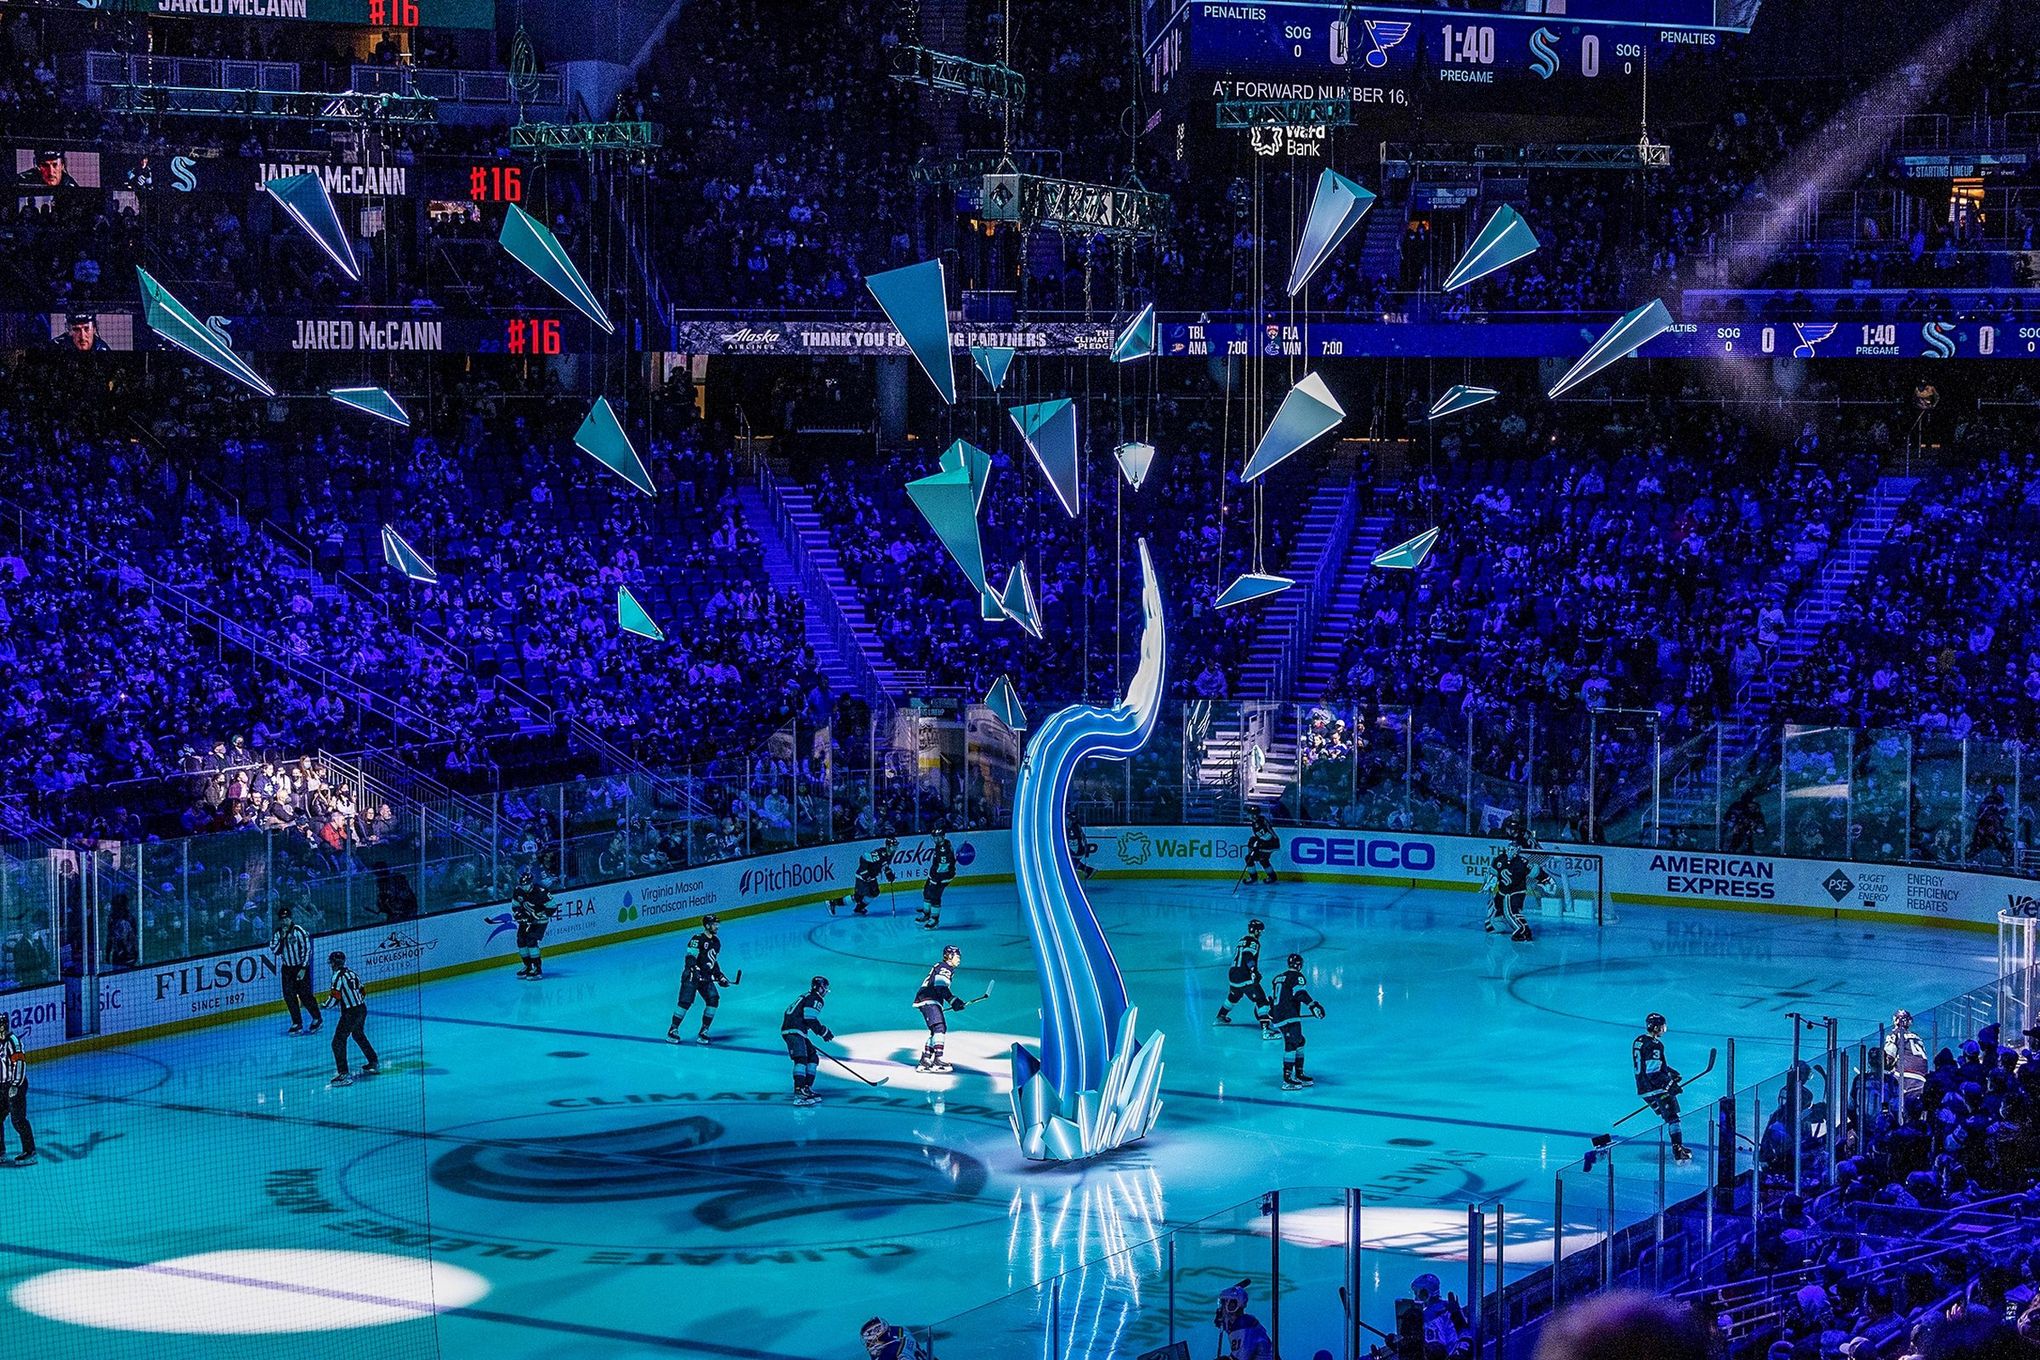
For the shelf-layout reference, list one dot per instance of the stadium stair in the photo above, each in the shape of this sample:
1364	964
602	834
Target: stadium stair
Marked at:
1690	797
1342	605
798	557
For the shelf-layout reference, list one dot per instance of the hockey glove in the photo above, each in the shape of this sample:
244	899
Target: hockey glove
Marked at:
957	1003
1318	1011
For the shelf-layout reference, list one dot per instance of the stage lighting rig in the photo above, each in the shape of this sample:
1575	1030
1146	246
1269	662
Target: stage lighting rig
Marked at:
350	107
979	81
1235	114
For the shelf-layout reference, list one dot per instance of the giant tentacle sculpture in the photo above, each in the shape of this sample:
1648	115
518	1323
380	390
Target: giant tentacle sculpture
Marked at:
1093	1086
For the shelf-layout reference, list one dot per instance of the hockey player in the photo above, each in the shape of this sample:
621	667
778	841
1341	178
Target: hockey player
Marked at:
1081	846
1905	1056
1513	874
800	1027
941	869
1287	1007
1658	1081
532	909
1447	1333
1262	842
1240	1334
1243	978
935	1000
869	866
701	975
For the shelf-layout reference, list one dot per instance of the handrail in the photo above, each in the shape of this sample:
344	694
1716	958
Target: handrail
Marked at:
361	589
1324	576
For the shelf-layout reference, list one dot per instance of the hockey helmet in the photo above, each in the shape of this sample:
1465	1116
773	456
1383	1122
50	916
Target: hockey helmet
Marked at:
818	985
1901	1019
951	954
1653	1022
1425	1287
1256	926
710	921
1233	1299
1296	961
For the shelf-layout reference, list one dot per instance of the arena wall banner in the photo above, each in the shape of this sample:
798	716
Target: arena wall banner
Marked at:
222	986
187	990
36	1014
207	990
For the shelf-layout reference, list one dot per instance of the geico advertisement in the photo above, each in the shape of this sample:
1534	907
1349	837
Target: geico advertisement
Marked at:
1303	848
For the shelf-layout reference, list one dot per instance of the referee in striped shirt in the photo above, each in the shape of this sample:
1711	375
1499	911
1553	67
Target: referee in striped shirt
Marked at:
353	1006
14	1094
293	950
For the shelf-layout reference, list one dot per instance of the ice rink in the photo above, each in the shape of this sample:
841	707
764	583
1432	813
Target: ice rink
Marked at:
584	1187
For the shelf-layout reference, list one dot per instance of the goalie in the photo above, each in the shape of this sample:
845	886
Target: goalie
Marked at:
1513	873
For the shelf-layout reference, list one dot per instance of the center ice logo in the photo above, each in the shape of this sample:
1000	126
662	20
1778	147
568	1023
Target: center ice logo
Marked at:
729	1186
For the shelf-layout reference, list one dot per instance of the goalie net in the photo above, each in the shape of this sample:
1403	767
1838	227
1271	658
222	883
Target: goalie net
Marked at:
1577	891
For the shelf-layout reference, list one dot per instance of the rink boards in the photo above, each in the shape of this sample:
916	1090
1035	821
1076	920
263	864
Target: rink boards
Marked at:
195	992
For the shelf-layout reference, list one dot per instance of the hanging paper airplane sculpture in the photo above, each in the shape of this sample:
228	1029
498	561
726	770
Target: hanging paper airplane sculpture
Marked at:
371	401
1134	461
532	244
404	558
1017	601
1407	556
1505	239
602	438
992	362
1335	209
1251	586
632	618
1310	410
1462	398
916	300
1004	702
949	501
1623	339
1137	341
1050	429
173	323
305	199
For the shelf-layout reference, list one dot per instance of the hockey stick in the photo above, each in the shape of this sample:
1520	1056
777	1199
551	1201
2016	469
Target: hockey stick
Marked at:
986	997
848	1068
1683	1084
1347	1304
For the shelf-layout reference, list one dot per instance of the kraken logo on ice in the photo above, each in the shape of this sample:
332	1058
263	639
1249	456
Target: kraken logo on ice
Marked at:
1094	1087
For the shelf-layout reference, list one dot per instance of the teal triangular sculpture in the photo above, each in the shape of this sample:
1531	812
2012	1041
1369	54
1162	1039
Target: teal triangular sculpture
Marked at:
1335	209
1310	410
372	401
601	437
1134	462
404	558
305	199
632	618
949	501
916	300
1505	239
1050	429
532	244
1407	556
1004	702
173	322
1017	601
1462	398
992	361
1623	339
1137	341
1251	586
989	607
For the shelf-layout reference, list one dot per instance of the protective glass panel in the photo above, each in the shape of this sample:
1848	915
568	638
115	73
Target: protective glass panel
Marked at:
1814	804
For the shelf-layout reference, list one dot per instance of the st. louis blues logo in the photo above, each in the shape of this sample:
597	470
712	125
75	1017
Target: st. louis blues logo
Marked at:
1384	34
1810	334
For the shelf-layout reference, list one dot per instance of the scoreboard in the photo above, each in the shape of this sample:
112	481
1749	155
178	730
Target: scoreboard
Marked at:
1543	54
